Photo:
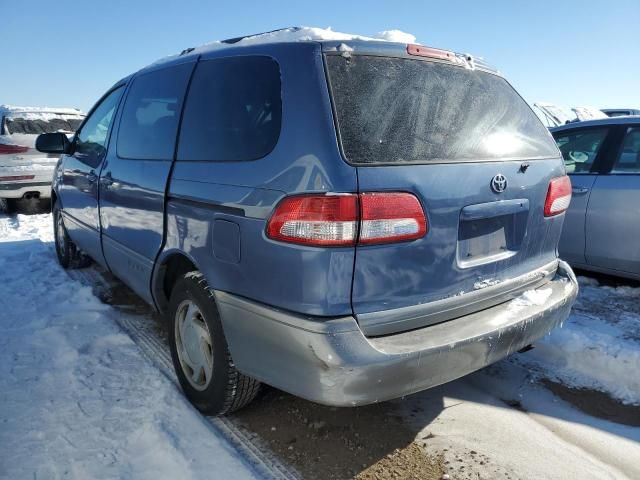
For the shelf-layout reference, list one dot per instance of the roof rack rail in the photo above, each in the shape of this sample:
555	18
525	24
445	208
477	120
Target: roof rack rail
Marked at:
237	39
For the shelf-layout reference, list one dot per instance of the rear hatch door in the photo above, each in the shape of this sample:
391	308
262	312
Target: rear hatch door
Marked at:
478	159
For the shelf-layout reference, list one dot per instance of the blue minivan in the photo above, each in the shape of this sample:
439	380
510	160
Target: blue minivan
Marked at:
346	221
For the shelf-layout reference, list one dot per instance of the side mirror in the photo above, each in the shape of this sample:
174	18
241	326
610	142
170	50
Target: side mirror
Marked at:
53	143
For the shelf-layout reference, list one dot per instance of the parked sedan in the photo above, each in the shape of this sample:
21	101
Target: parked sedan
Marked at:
602	226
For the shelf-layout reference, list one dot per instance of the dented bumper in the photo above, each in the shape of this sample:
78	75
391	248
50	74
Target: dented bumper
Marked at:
333	363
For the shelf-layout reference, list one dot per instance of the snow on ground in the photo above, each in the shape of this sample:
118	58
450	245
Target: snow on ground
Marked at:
598	347
501	422
77	398
473	422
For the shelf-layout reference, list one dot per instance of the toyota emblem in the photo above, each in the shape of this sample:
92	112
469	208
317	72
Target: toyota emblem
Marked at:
499	183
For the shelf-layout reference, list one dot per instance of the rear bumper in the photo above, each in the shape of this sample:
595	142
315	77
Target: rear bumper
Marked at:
19	189
40	171
333	363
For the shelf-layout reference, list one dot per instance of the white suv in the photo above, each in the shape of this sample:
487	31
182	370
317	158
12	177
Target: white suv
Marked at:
25	172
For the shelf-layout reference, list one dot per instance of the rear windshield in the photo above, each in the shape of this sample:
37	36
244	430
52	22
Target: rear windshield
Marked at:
37	126
398	110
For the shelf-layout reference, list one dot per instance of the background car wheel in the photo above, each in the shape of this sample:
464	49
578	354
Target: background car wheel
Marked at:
68	254
200	353
7	205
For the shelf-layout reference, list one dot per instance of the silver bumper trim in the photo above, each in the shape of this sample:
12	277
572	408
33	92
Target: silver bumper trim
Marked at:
330	361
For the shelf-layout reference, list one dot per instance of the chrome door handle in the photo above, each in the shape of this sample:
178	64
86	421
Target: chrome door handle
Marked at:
92	177
579	190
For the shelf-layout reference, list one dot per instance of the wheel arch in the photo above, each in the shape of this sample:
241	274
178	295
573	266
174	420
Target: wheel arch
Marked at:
54	197
170	266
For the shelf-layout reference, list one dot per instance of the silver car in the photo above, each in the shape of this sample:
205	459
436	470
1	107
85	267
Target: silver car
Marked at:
25	172
602	226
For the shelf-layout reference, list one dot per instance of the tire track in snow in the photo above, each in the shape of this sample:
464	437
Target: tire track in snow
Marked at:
140	329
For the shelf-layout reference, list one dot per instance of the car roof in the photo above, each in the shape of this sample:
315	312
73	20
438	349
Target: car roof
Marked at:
626	120
391	43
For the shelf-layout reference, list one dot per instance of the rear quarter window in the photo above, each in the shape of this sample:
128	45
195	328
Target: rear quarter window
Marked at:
233	111
149	123
399	110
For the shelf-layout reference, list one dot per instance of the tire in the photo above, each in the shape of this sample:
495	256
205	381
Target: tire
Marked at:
204	367
7	205
69	256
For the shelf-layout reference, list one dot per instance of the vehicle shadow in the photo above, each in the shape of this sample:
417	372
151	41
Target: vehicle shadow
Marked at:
329	442
31	206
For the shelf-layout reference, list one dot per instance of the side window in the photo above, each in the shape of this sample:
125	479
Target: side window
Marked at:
580	148
628	160
233	110
151	112
91	140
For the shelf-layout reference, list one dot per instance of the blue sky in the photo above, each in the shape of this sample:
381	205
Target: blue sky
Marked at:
67	53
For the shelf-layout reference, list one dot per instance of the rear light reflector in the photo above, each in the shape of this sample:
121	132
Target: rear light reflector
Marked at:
10	149
558	196
13	178
315	220
347	219
423	51
390	217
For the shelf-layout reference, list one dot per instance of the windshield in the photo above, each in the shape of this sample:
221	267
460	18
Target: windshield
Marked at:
36	126
398	110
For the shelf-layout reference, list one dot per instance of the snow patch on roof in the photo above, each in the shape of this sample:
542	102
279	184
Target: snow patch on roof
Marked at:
395	36
343	47
46	116
558	115
297	34
588	113
18	109
311	34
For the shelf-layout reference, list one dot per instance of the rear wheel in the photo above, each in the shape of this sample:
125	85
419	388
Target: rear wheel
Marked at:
69	256
200	353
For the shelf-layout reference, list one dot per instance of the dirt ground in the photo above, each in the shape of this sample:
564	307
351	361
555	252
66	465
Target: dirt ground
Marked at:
370	442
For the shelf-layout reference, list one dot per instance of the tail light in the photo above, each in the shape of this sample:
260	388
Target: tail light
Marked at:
315	220
14	178
558	196
348	219
390	217
10	149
